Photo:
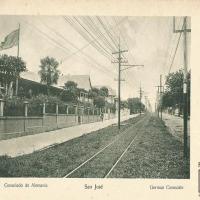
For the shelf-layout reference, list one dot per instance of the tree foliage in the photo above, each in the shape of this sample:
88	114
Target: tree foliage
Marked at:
104	91
10	68
99	102
173	95
49	72
71	92
93	93
99	96
135	105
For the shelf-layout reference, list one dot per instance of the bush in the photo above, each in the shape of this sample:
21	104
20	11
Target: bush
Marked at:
14	107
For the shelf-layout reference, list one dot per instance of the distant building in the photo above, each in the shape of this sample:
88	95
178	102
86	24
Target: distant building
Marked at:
111	93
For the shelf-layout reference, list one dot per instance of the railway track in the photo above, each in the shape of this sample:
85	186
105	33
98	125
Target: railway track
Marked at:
116	149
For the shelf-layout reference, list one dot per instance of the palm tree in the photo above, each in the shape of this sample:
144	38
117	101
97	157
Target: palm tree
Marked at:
49	72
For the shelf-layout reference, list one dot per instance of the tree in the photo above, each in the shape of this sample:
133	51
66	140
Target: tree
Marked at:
173	96
70	85
49	72
99	102
10	69
104	91
93	93
98	96
134	105
71	92
124	104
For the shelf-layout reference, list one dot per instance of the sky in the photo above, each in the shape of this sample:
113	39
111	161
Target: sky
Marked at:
150	41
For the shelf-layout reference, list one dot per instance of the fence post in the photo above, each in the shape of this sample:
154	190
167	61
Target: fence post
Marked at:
57	115
43	109
1	107
43	113
88	113
108	113
67	109
93	114
25	108
25	113
76	113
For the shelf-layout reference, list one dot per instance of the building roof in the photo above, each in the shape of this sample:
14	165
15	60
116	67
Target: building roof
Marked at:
111	92
83	81
32	76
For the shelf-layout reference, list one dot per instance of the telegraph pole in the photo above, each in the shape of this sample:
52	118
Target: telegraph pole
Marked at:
140	99
158	95
119	52
159	98
185	30
120	62
161	93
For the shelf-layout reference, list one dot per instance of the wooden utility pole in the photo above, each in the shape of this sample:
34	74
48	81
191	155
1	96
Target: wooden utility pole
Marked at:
119	52
157	98
161	93
140	92
185	30
120	62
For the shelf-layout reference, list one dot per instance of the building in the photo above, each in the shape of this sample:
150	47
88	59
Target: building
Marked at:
83	82
111	94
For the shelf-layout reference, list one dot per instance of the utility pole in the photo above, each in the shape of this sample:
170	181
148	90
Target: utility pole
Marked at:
146	103
185	30
140	92
161	93
157	99
120	62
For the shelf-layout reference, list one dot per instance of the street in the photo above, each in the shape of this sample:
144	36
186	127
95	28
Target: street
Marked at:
142	149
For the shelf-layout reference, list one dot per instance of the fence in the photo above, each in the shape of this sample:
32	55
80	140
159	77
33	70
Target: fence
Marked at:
15	126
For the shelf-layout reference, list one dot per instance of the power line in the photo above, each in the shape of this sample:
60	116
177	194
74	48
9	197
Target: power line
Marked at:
175	50
107	31
101	68
58	34
97	31
49	38
86	37
91	35
91	42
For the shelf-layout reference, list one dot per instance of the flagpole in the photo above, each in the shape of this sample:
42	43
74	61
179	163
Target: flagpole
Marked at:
16	91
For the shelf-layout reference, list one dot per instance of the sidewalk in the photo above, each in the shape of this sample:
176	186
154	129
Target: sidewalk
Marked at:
28	144
175	126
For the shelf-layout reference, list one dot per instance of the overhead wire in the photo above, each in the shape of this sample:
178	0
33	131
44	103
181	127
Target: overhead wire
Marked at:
97	31
100	45
170	67
89	43
86	37
101	68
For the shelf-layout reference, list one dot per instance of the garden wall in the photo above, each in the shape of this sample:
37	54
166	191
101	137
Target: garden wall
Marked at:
20	126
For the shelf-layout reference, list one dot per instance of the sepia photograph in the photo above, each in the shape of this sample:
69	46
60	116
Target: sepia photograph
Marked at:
93	96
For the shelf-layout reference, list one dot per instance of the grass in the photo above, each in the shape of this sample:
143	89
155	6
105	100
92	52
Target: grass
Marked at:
57	161
100	166
155	154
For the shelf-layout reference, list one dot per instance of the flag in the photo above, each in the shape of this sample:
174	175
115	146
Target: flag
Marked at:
10	40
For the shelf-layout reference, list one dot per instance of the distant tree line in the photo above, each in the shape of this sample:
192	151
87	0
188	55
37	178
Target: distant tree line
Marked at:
134	104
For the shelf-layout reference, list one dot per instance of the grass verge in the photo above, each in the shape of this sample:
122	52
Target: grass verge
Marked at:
57	161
